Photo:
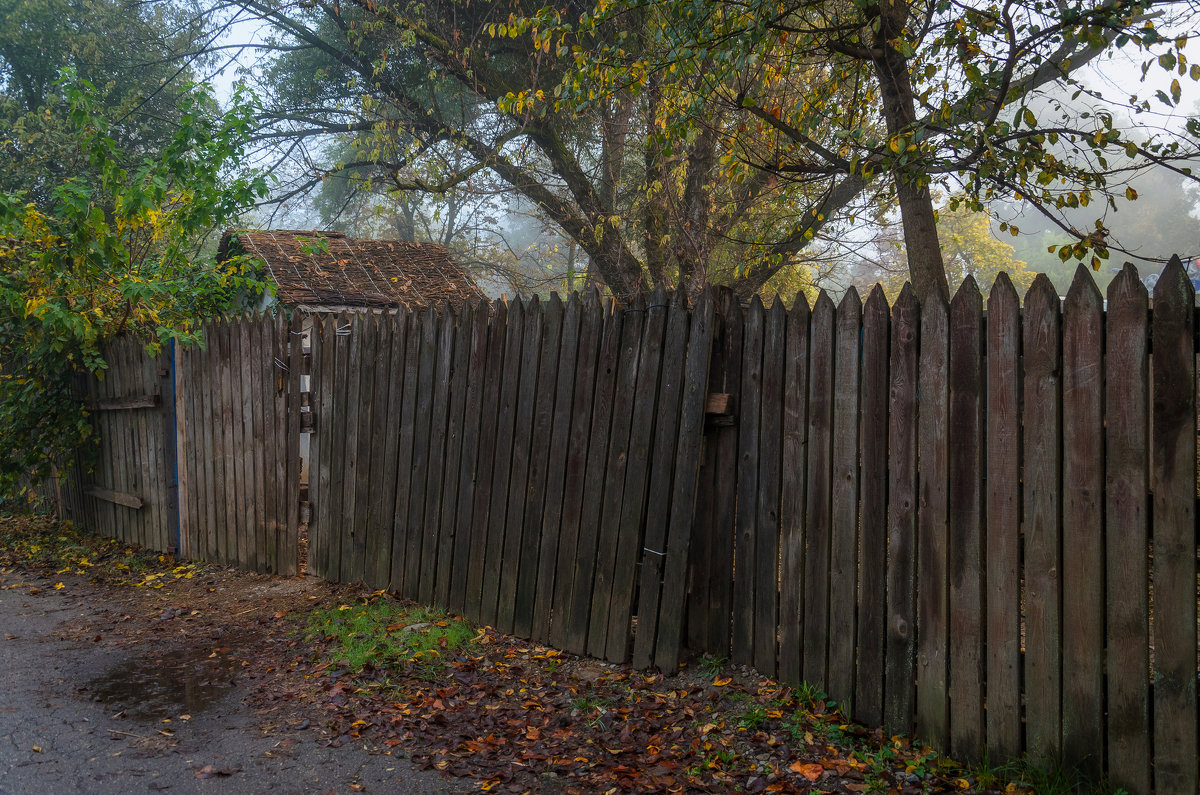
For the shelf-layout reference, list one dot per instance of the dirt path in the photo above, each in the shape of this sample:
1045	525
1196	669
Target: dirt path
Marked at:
109	689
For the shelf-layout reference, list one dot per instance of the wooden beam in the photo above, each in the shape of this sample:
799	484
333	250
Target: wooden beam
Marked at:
127	402
119	497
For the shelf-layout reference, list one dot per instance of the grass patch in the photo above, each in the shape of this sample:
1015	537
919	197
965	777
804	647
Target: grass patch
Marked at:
383	632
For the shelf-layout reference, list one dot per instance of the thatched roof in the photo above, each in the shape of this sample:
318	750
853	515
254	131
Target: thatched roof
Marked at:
328	269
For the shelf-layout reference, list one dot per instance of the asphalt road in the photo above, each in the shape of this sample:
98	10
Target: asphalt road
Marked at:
80	716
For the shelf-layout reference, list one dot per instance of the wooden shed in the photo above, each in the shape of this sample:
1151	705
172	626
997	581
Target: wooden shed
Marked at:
329	272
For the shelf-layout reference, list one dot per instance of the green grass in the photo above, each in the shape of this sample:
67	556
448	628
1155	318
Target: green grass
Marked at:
385	632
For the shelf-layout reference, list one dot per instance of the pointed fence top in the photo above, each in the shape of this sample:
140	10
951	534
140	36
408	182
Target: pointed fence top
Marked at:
850	301
1042	292
1173	284
1127	286
800	305
1083	291
876	299
968	293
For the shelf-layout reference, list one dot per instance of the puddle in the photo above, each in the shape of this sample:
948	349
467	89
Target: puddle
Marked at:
168	685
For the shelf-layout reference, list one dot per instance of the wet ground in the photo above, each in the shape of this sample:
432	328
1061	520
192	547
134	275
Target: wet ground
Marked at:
87	708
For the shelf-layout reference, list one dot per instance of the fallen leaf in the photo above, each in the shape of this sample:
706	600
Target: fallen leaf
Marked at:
37	748
810	771
721	681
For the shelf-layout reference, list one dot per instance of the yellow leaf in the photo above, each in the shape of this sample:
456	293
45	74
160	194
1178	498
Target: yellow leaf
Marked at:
721	681
59	587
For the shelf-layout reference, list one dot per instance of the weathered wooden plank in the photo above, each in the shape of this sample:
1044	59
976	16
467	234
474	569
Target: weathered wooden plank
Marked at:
379	542
118	431
209	394
662	462
1043	539
900	651
560	445
966	522
237	452
380	490
264	416
115	497
614	474
126	402
447	534
1173	484
683	497
257	434
1126	513
791	509
502	468
344	339
745	576
472	418
819	511
323	372
529	564
185	478
1003	522
510	563
229	551
770	478
354	543
933	617
872	558
637	478
420	461
485	469
843	547
1083	522
600	440
288	548
350	558
439	420
404	460
582	411
254	543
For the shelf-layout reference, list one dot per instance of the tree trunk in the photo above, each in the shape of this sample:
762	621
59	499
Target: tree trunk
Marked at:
925	266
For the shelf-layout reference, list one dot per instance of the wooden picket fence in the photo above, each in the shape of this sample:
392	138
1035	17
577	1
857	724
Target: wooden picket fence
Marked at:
975	525
518	464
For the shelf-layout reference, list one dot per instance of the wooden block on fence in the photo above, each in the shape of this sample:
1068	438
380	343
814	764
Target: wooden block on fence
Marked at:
1003	579
843	549
1173	484
1126	513
900	653
115	497
1083	520
1043	514
819	510
745	576
791	511
872	559
932	530
128	402
966	523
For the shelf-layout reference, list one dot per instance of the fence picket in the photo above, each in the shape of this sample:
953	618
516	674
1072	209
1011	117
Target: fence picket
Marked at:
1003	521
431	525
872	560
791	511
404	460
746	576
460	371
1126	408
1083	522
770	453
966	521
1173	484
472	421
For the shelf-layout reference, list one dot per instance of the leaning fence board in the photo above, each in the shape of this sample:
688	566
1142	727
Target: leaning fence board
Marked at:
932	476
637	474
843	547
615	469
1082	537
872	559
966	521
524	601
1003	522
464	547
502	468
791	511
1126	540
900	649
1173	484
666	426
694	390
770	452
115	497
514	525
599	440
576	466
561	444
454	449
819	509
745	576
1042	428
487	454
